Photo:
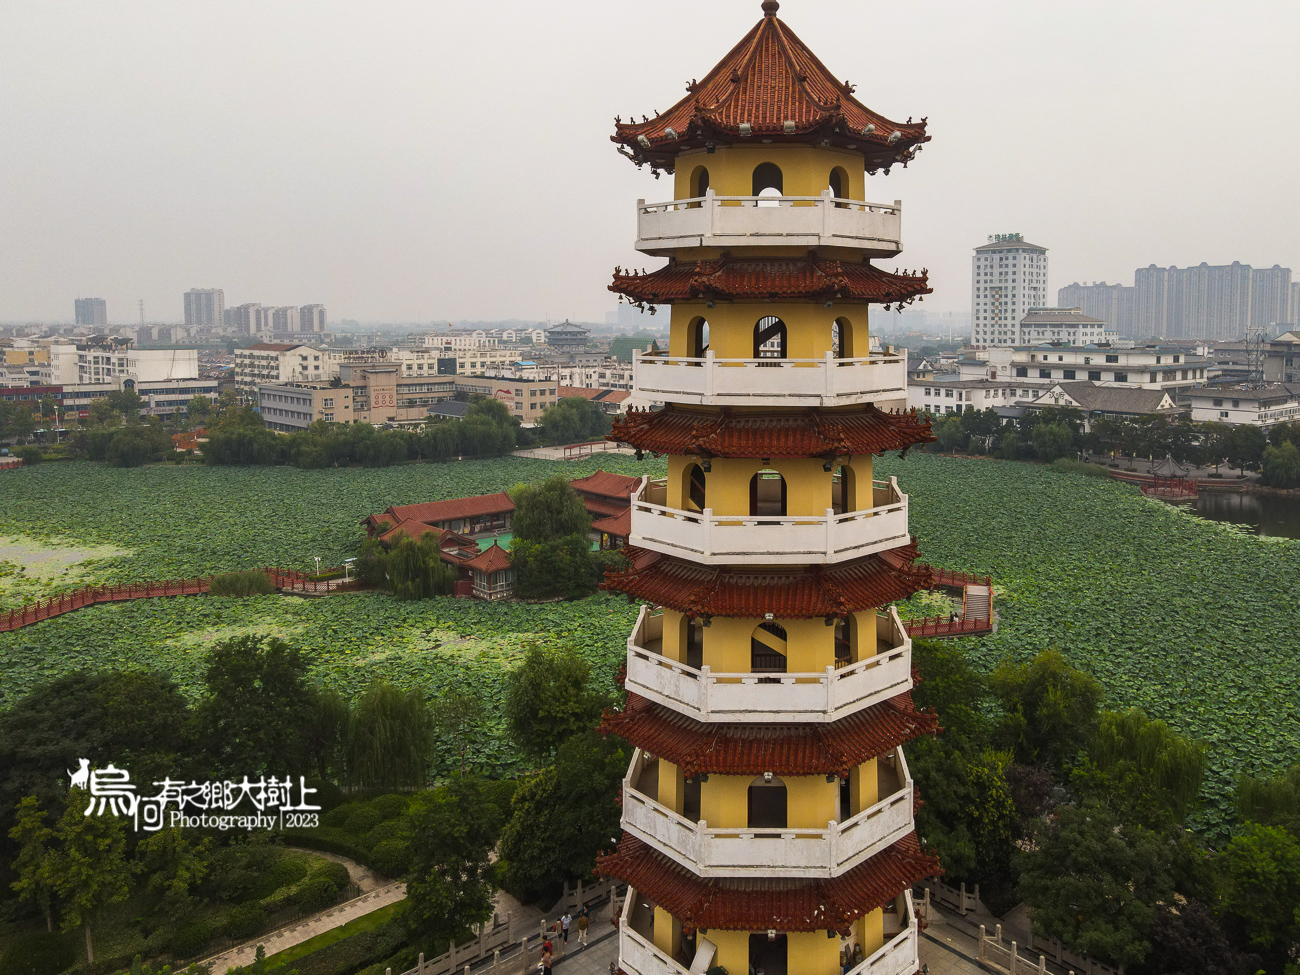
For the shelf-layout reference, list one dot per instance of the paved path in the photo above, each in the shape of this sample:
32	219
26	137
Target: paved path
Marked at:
308	927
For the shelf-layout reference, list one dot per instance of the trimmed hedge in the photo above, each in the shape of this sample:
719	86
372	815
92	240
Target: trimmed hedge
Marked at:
352	954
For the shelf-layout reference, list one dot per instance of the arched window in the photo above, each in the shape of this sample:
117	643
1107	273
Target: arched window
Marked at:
768	182
767	176
767	494
844	490
767	645
769	338
842	338
693	487
697	338
767	804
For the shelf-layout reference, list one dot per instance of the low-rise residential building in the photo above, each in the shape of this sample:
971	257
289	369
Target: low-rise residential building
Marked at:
270	363
612	401
289	407
1151	367
158	398
952	394
1282	358
100	362
591	372
1068	325
527	399
1263	406
381	393
1098	402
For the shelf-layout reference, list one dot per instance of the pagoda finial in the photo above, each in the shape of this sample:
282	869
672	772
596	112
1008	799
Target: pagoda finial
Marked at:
770	7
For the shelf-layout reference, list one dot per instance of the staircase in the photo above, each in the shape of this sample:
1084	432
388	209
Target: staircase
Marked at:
977	603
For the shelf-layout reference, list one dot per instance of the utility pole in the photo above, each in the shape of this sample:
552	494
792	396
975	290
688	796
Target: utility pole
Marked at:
1255	353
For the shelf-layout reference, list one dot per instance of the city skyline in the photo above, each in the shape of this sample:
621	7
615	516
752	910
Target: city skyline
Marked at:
395	220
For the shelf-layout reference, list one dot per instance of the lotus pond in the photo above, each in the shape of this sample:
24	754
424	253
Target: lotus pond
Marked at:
1194	621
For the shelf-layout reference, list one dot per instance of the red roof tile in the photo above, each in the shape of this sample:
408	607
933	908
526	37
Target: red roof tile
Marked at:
757	905
432	512
795	592
410	528
772	278
752	749
492	559
619	524
788	433
770	79
607	485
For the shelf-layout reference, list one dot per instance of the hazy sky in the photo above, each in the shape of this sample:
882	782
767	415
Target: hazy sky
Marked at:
430	160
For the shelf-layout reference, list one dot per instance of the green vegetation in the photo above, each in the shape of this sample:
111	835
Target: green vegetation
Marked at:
1177	616
542	709
360	925
246	583
573	420
550	550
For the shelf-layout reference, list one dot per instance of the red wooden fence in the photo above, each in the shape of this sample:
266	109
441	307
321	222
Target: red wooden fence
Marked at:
952	579
287	580
939	626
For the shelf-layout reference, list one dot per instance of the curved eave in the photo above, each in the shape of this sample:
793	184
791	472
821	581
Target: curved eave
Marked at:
772	82
831	904
785	434
702	591
753	749
737	279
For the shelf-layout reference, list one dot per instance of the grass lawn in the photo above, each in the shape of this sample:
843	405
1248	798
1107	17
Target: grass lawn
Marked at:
367	922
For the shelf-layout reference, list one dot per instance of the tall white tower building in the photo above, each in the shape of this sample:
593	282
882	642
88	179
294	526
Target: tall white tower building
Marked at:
1008	277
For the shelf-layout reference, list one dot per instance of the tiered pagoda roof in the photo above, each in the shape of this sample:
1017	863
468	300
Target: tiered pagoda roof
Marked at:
492	559
792	592
761	904
771	88
770	279
782	749
778	433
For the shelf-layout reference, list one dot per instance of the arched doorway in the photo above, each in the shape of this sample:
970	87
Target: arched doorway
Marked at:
767	803
697	338
768	956
767	494
768	183
694	642
846	641
699	184
844	490
839	184
767	646
842	338
693	492
769	338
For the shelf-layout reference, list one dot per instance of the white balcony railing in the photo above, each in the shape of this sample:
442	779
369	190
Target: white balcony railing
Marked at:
771	698
714	539
710	381
805	221
752	852
637	954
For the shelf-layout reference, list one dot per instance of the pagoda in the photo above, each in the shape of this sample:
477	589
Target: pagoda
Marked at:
768	811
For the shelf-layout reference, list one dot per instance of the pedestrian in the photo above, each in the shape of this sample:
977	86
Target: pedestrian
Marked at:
546	958
583	921
564	928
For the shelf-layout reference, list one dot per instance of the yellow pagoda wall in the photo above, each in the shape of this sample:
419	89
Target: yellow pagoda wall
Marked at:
731	326
810	644
807	485
805	170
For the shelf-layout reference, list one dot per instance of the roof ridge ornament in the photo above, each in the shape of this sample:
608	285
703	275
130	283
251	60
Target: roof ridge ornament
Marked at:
770	7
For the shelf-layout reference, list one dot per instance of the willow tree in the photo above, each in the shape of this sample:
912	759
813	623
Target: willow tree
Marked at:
390	738
1144	766
416	570
1271	801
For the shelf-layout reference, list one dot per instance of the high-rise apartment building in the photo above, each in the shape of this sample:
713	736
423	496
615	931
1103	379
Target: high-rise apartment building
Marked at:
284	320
1008	277
311	318
1211	301
1112	303
92	312
205	307
1270	297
